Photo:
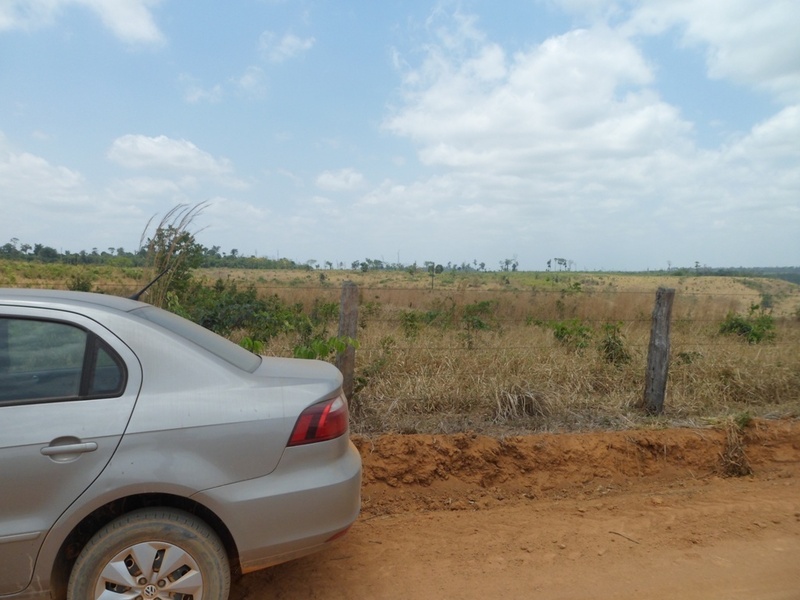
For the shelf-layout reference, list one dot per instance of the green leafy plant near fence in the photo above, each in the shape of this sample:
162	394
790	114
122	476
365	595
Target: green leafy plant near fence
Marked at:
480	316
572	333
324	348
612	345
756	327
226	309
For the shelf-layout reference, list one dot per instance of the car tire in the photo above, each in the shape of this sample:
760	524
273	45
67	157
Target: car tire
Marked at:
151	553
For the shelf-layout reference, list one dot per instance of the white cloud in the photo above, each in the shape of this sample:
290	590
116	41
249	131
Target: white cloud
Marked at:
31	179
251	82
321	206
582	95
749	42
57	201
130	20
160	152
775	139
341	180
296	179
190	165
146	187
278	50
194	92
569	143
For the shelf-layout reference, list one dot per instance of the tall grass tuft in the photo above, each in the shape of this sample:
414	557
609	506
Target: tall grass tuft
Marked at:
171	253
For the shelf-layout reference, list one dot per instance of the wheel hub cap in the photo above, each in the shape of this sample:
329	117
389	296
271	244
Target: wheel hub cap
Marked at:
130	571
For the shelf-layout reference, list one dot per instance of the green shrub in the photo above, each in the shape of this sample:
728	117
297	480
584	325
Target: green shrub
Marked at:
323	348
758	326
80	282
612	345
572	333
410	323
324	312
479	315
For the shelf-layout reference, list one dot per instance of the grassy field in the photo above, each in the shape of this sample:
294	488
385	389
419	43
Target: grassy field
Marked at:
505	353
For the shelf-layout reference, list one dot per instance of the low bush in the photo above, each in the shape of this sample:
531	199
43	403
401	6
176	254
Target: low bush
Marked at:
758	326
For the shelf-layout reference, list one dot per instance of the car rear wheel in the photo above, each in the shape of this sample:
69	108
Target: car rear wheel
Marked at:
152	554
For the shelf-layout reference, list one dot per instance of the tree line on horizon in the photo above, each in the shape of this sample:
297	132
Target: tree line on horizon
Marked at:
215	257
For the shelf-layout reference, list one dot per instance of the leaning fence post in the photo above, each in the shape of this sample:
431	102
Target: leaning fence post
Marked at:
348	327
655	386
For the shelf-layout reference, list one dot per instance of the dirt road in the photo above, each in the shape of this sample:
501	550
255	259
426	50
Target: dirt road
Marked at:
627	515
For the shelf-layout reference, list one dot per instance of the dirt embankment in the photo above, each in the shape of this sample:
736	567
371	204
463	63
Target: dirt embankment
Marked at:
622	515
424	472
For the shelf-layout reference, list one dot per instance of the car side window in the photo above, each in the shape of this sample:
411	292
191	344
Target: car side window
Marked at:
50	360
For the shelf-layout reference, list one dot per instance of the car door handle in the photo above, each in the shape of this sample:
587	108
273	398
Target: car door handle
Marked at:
78	448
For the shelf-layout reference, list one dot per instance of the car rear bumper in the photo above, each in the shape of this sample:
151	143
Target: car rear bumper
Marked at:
312	496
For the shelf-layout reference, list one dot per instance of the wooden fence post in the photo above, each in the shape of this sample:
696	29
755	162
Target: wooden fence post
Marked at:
655	386
348	327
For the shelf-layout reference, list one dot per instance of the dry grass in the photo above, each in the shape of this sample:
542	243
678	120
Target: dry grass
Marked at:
516	376
733	459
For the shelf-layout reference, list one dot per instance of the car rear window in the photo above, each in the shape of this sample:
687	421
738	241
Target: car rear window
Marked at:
44	360
208	340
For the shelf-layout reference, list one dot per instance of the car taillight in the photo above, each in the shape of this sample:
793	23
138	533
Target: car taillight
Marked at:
320	422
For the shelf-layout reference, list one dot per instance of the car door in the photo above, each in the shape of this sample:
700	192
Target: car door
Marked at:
67	390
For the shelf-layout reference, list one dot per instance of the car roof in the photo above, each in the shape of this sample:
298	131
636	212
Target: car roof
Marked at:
40	297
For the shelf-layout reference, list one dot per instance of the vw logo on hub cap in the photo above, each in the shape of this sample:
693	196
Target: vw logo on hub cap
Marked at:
150	591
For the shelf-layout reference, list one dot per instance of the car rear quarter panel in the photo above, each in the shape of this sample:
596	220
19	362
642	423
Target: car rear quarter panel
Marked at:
204	422
312	495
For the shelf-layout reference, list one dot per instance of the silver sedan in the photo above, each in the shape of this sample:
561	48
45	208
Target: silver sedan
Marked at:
142	456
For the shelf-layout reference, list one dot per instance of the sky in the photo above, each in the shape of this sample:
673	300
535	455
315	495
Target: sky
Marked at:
616	134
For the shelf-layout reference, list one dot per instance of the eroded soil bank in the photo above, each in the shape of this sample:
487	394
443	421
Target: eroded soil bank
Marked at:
423	472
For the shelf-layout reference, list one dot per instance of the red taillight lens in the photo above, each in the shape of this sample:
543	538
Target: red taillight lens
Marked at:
320	422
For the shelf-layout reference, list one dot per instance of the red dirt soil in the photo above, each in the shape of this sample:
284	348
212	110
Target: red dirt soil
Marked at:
618	515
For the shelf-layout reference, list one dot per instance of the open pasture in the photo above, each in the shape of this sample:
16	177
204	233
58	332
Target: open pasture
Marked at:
512	352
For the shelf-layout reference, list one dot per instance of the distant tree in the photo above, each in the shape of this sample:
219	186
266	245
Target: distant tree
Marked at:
563	263
509	264
47	254
433	270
